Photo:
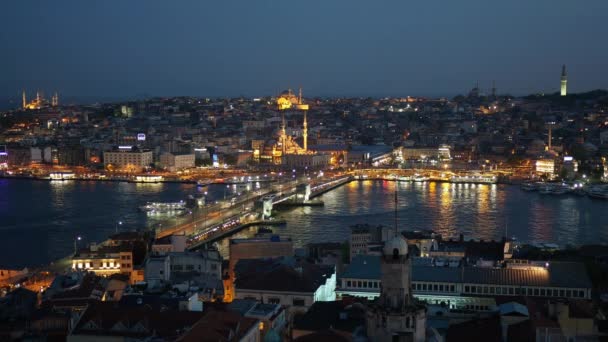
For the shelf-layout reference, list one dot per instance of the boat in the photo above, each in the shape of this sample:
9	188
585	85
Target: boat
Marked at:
598	192
147	179
163	207
419	178
474	179
405	179
529	186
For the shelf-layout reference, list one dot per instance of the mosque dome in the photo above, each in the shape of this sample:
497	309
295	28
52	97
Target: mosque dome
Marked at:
397	244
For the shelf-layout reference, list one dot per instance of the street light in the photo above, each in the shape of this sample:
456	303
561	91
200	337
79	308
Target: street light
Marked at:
76	239
119	223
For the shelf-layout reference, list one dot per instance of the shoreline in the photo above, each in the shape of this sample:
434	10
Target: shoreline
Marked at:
80	179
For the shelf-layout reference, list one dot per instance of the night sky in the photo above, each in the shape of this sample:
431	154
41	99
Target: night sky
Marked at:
128	48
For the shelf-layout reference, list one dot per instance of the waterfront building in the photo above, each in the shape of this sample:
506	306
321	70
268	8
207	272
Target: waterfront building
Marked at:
472	288
104	260
310	161
128	157
296	284
177	161
396	315
421	153
546	166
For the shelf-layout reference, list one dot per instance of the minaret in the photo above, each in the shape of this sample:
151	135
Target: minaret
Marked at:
24	100
38	97
493	89
283	134
305	132
300	105
55	100
564	82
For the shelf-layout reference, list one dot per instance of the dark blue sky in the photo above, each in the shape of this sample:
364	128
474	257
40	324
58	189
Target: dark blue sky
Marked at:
331	47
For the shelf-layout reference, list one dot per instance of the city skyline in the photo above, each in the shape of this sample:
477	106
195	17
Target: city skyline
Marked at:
223	50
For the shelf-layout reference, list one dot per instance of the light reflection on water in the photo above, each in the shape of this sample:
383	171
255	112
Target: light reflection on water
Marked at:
39	220
479	211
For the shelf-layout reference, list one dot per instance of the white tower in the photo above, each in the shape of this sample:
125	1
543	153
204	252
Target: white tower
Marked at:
564	82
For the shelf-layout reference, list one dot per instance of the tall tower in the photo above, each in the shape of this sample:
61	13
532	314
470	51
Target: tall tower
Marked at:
24	100
564	82
396	315
494	89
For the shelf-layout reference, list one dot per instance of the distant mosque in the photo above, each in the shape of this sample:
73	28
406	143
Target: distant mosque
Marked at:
564	82
285	150
39	102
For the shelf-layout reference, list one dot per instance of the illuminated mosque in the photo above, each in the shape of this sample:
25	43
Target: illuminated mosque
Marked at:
39	102
285	150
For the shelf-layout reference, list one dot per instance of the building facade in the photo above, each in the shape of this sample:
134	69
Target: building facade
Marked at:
128	158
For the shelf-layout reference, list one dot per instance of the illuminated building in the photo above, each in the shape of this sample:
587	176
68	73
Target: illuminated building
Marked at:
420	153
3	157
470	288
285	150
564	82
128	157
546	166
104	260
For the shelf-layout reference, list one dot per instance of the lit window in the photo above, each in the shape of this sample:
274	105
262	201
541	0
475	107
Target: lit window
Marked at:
79	265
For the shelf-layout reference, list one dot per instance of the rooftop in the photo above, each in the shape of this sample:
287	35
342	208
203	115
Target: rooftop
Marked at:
363	267
281	274
339	315
557	274
271	238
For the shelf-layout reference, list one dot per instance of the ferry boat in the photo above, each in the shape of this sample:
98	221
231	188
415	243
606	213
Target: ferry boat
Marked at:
148	179
163	207
405	179
477	179
419	178
61	176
